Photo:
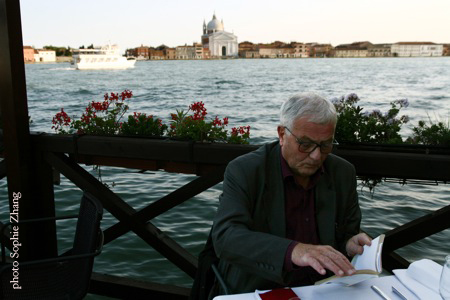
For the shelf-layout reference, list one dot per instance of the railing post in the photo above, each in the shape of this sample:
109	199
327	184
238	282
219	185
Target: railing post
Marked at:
28	176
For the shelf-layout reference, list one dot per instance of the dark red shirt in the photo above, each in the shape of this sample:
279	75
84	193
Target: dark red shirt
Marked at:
299	207
301	223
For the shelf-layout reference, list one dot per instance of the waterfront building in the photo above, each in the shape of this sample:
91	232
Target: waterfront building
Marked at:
28	54
357	49
219	42
198	49
44	55
299	49
155	54
273	50
248	50
320	50
141	53
206	53
146	53
189	52
446	50
169	53
411	49
380	50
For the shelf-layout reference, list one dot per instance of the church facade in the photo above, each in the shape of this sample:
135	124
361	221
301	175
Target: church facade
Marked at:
219	42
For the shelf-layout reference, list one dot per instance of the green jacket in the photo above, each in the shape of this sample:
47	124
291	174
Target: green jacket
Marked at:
249	229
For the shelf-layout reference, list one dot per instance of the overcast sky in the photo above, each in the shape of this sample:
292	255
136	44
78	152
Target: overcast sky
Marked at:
177	22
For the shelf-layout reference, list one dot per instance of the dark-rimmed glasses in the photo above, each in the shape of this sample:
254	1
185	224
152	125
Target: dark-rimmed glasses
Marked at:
310	146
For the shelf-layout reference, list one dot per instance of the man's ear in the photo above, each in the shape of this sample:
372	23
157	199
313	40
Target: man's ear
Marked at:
281	134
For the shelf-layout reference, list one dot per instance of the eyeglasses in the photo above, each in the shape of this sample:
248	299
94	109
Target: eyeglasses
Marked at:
310	146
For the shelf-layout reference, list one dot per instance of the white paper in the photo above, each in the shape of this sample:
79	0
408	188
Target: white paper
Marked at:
422	278
427	272
370	259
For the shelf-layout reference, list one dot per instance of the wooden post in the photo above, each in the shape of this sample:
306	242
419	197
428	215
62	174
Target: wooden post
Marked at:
29	189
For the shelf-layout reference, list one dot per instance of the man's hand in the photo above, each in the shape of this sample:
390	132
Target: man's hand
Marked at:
356	243
320	258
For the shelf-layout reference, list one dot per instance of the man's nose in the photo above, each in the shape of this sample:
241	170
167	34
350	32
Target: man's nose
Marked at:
315	154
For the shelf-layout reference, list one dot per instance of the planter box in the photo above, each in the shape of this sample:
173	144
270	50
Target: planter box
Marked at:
393	161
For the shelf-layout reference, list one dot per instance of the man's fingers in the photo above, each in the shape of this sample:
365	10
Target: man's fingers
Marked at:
316	265
324	257
364	239
356	243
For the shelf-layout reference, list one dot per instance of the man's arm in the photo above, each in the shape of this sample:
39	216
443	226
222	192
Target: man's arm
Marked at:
238	237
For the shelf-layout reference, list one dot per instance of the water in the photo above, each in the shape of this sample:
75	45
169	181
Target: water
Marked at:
249	92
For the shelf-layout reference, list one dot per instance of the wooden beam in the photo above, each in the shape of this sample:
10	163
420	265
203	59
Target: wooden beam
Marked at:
25	175
126	288
392	261
123	212
417	229
167	202
399	164
409	162
2	169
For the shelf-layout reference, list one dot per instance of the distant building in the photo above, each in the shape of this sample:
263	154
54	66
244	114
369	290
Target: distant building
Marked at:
380	50
28	54
357	49
155	54
170	53
45	55
446	50
276	49
411	49
320	50
219	42
185	52
141	53
206	53
146	53
248	50
299	49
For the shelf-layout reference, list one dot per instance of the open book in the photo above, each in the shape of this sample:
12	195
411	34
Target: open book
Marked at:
367	265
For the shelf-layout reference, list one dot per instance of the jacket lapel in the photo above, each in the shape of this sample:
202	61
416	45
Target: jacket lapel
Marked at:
325	201
274	194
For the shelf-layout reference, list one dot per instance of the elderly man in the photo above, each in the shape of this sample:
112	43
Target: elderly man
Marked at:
289	211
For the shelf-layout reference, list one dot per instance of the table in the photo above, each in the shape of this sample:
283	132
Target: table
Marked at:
360	290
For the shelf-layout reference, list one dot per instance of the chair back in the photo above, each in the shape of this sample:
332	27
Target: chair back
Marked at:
63	277
86	241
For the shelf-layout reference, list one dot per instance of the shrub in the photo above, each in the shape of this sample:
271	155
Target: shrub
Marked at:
354	125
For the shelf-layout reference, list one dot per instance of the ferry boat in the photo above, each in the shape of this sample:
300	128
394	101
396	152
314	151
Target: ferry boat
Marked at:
106	57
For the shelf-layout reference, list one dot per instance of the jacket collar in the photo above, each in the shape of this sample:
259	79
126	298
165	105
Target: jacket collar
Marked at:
274	204
274	192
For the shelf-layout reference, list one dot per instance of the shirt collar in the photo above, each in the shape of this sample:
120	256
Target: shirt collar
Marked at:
287	173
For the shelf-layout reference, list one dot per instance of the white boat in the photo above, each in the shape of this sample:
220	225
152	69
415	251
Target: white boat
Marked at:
106	57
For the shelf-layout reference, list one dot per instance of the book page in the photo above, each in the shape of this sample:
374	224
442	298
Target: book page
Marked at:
367	265
351	280
371	257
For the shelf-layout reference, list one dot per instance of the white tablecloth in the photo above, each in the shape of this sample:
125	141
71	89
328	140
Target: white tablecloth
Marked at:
358	291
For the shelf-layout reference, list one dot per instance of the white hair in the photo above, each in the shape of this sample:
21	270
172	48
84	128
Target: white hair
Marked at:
315	108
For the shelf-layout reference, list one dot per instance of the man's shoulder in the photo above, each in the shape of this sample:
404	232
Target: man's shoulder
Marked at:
257	156
336	162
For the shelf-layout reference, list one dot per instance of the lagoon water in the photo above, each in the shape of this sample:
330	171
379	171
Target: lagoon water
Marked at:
249	92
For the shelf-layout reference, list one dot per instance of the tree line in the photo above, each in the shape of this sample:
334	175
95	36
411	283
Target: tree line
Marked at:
66	51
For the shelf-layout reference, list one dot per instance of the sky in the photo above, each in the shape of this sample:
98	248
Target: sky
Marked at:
133	23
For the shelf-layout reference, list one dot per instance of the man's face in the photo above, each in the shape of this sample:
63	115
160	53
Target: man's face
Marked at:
301	164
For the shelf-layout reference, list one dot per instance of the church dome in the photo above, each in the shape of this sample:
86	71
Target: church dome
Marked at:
214	25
